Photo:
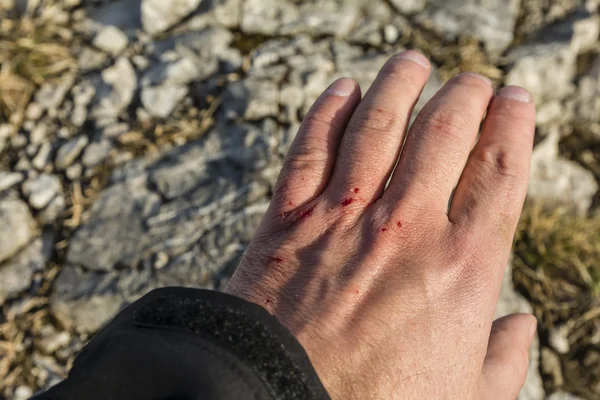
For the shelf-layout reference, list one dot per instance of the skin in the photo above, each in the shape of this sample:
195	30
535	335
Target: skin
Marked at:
392	290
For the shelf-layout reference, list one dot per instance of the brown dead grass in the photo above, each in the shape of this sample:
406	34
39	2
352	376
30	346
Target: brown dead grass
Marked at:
556	266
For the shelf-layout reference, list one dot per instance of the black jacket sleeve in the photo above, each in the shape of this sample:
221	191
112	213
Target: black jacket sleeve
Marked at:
185	344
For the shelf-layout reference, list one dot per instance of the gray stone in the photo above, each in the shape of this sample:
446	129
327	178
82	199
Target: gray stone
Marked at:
122	14
51	95
40	190
192	56
409	6
322	18
546	70
367	32
492	22
91	59
267	16
42	158
74	172
251	99
16	274
111	40
38	133
559	180
96	153
9	179
158	15
34	111
68	152
115	90
16	227
511	302
160	101
53	211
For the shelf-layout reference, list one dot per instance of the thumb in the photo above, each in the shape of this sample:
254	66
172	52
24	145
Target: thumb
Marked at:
507	359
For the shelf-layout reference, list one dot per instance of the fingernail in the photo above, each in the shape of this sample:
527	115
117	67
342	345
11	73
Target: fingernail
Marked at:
515	93
342	87
533	330
414	56
480	77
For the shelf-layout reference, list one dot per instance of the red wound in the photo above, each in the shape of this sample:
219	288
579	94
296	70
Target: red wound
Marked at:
290	203
383	229
277	259
267	301
357	292
356	190
347	202
306	213
399	224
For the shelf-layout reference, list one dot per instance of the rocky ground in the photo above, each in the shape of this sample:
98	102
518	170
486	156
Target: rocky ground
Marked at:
140	140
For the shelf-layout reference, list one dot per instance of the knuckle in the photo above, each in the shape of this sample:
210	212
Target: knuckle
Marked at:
320	122
377	120
500	162
443	122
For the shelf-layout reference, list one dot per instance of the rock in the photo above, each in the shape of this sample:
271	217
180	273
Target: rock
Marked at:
16	274
160	101
546	70
91	59
115	90
38	133
9	179
34	111
41	190
42	158
367	32
53	211
96	153
409	6
251	99
51	95
322	18
157	222
68	152
511	302
74	172
491	22
191	57
546	64
23	393
111	40
559	340
558	180
16	227
158	15
267	16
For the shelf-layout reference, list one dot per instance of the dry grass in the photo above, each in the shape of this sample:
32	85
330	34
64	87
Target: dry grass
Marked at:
557	267
32	52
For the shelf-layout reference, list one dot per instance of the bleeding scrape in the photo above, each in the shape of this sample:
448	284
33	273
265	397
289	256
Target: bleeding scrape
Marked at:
399	224
356	190
306	213
383	229
348	201
277	259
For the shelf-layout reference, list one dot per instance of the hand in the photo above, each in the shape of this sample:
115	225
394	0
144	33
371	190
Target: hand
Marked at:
392	290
